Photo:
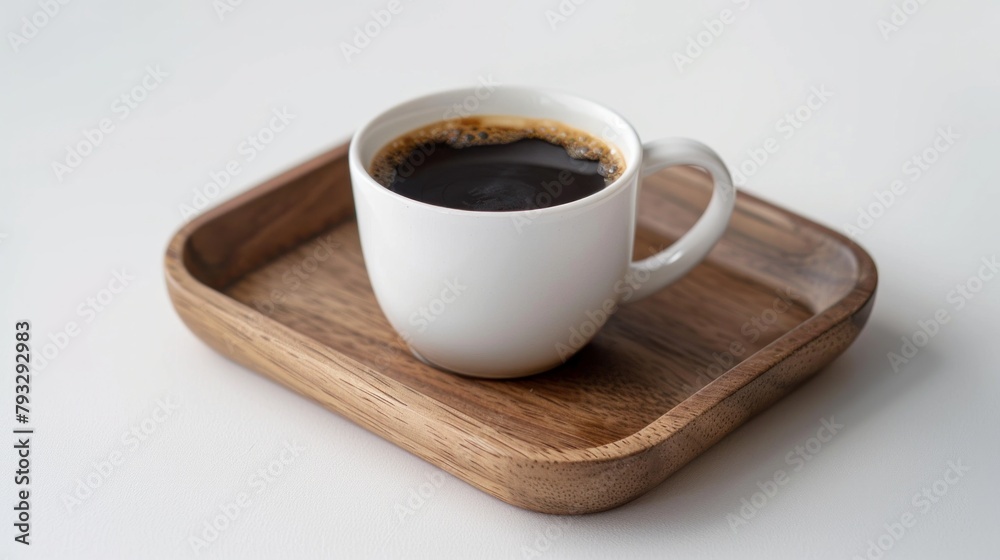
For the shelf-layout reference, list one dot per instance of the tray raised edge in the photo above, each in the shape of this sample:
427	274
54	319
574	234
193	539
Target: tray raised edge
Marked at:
546	480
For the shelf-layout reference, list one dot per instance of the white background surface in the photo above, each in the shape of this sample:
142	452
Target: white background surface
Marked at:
62	242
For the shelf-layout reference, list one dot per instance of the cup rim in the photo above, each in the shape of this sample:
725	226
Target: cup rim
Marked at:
633	159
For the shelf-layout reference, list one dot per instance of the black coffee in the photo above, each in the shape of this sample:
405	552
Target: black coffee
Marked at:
496	164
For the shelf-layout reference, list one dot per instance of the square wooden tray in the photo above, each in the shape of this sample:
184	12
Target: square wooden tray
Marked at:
274	279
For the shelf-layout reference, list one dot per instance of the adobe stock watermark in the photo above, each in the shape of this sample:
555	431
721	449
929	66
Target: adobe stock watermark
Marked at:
796	459
365	33
544	538
225	7
230	511
122	107
751	330
614	128
625	289
920	504
321	251
485	86
433	309
31	26
701	40
563	11
612	131
913	169
421	318
468	106
928	328
786	127
87	310
899	16
131	440
247	150
542	199
418	496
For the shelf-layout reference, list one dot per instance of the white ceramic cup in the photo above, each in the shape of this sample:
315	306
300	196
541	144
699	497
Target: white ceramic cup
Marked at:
508	294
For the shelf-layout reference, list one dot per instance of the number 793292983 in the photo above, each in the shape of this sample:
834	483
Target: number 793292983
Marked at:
22	370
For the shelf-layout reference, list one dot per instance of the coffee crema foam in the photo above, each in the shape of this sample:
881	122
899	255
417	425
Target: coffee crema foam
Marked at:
404	154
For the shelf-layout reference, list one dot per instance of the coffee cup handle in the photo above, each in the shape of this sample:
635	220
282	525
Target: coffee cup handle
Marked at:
651	274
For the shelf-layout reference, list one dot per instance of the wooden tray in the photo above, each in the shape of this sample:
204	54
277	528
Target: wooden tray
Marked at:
274	279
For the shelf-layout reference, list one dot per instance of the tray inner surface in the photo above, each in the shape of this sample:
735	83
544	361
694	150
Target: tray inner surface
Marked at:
649	357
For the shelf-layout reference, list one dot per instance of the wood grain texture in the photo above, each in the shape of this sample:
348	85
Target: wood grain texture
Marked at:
275	280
